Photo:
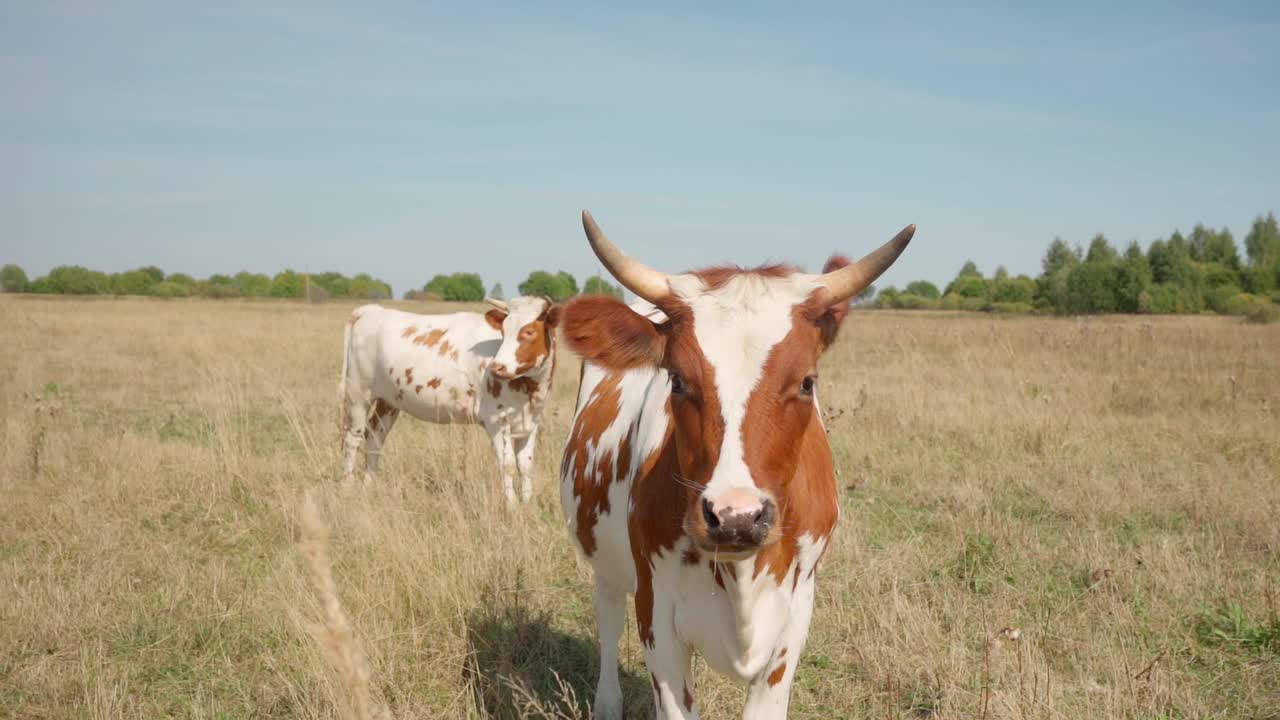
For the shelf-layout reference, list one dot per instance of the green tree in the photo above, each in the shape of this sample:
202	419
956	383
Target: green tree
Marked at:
969	286
155	273
1220	247
1100	251
1133	279
288	284
1058	261
182	279
924	289
133	282
560	286
458	287
77	280
334	283
596	285
13	279
865	295
367	287
1020	289
249	284
1262	244
1091	288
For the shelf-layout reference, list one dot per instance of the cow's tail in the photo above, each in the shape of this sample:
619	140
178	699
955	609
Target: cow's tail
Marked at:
344	400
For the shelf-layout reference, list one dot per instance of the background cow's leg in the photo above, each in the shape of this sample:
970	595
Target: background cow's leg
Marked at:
506	457
770	692
611	615
668	662
381	420
355	418
524	463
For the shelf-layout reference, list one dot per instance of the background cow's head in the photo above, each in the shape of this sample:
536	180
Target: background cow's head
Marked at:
528	327
740	350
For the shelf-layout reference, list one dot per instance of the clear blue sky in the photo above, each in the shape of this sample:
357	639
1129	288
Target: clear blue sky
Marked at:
409	139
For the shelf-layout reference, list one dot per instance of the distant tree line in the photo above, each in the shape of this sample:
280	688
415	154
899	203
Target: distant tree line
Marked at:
1199	272
468	287
151	280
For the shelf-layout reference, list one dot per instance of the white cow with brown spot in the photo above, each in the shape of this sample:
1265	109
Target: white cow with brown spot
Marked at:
697	474
493	369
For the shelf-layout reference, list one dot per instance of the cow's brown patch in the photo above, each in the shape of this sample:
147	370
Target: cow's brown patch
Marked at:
717	277
782	654
454	356
691	556
688	699
409	331
445	347
795	580
417	389
591	488
494	386
380	411
787	449
408	376
775	677
429	339
433	383
524	384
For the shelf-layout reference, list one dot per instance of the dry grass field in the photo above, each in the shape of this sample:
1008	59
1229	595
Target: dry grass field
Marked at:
1042	518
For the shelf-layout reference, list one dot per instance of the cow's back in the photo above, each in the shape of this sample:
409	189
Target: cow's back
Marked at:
430	366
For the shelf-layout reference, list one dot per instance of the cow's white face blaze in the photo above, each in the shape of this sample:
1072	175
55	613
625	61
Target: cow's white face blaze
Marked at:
527	326
719	361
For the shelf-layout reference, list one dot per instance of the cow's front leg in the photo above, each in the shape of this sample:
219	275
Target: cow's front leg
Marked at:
669	666
524	463
504	452
770	691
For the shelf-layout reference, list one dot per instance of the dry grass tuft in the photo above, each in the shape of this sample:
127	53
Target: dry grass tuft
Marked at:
335	635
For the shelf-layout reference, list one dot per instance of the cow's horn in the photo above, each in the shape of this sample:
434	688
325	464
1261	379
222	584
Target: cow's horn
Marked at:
496	303
848	281
640	279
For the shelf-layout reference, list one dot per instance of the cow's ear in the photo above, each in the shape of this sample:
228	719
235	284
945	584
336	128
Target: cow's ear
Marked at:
608	333
552	316
495	317
832	317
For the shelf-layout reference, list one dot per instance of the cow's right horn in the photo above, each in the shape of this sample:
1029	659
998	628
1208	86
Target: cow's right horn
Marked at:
637	277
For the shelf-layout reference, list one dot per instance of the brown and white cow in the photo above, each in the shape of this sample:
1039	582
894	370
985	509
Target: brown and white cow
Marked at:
493	369
697	473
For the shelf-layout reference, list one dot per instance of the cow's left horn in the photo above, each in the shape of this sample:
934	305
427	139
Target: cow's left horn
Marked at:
840	285
637	277
496	303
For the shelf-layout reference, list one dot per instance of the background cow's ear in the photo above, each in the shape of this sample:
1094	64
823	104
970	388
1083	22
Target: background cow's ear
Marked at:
605	331
831	318
552	317
495	318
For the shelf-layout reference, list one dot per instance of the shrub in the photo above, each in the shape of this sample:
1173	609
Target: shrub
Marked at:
76	280
1263	314
924	289
13	279
170	289
909	301
1218	297
133	282
217	291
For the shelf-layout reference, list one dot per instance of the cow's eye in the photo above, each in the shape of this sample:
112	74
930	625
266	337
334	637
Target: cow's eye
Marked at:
677	384
807	385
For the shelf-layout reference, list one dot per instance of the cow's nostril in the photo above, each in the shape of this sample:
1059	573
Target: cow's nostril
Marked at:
764	516
713	522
